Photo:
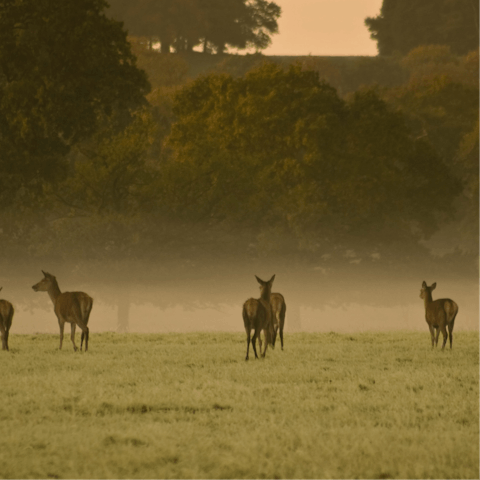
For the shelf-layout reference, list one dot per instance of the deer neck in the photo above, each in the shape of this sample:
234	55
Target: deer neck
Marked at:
54	292
427	300
265	295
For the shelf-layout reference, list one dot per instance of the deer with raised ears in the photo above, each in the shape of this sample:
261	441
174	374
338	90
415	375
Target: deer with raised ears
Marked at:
279	309
257	316
6	316
71	307
439	314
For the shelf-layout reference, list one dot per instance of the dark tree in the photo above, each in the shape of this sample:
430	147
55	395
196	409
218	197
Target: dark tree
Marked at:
240	24
262	22
405	24
64	68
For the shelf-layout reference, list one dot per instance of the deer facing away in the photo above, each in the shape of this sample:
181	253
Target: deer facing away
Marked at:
439	314
6	316
71	307
257	316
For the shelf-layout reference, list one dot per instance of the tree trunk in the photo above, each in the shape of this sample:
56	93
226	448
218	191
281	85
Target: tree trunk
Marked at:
205	46
164	47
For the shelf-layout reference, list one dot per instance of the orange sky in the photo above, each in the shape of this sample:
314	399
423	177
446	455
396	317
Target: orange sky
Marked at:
324	27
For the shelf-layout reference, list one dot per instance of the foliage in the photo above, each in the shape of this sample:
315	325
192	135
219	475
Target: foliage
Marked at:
467	168
440	109
278	151
429	61
328	406
63	67
440	101
184	24
109	174
404	25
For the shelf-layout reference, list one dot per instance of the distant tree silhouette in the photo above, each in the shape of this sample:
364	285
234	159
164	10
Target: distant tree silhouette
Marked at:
216	24
405	24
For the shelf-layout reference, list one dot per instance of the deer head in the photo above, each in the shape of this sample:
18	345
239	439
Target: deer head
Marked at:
44	284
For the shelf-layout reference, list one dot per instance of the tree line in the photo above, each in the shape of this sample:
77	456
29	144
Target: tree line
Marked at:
272	161
213	24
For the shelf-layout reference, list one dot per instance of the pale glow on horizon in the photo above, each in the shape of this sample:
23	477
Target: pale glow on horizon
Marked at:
324	27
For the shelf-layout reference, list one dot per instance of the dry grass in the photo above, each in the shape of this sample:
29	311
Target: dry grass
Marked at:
188	406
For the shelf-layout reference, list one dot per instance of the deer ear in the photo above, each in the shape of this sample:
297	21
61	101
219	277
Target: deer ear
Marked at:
44	273
261	282
424	284
272	279
433	286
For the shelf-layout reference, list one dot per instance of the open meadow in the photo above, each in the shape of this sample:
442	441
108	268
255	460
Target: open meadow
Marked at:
367	405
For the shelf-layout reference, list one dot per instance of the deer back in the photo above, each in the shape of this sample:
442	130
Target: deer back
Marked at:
74	305
254	314
441	312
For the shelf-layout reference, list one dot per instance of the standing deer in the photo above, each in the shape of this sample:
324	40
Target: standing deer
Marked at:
439	314
6	316
71	307
257	316
279	308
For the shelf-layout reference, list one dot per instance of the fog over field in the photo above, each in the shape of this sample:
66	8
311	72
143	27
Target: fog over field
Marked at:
158	299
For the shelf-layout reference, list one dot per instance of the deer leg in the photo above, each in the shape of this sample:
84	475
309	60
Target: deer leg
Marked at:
254	338
266	344
437	334
61	325
432	335
72	336
80	322
86	331
248	344
281	336
445	336
7	332
3	333
260	341
450	331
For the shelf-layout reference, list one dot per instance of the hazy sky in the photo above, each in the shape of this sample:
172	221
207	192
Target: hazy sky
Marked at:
324	27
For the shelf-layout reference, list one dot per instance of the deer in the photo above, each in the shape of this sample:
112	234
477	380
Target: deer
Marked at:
439	315
71	307
279	308
6	316
257	316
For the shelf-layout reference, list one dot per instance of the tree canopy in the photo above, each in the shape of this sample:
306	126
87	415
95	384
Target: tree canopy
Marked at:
278	151
406	24
64	69
183	24
262	159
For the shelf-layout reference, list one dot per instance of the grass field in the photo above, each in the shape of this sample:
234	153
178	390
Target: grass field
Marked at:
370	405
